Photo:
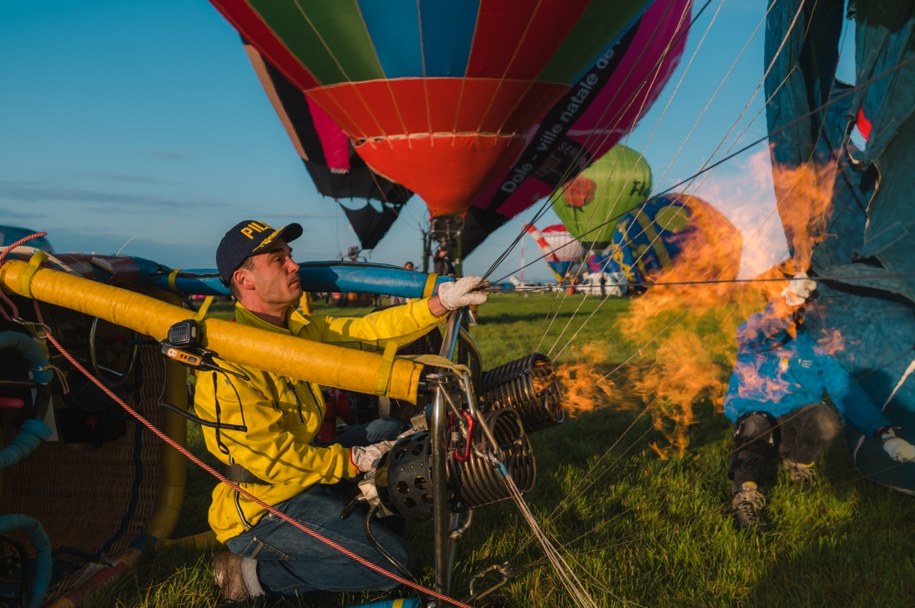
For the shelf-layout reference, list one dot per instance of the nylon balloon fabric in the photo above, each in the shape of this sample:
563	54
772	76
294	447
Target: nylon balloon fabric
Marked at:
438	96
335	168
856	240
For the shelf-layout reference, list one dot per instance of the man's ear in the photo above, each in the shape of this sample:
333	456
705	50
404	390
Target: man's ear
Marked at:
242	279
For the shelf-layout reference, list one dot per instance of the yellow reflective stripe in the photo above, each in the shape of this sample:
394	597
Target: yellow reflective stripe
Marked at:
387	364
429	287
35	262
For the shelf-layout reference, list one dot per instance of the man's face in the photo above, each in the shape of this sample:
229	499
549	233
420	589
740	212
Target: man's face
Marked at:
275	276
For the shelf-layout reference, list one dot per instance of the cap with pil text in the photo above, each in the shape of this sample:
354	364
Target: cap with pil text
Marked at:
245	239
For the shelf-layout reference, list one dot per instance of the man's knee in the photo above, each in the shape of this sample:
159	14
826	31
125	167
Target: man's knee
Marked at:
824	421
754	426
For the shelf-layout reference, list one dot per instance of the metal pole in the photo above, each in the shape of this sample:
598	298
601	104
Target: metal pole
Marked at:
442	518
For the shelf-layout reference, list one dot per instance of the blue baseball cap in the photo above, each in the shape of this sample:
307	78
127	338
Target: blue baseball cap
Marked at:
247	238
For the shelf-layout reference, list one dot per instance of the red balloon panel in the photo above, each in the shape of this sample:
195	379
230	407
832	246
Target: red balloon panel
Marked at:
393	108
444	168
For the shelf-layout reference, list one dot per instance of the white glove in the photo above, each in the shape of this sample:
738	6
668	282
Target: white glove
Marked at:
366	457
799	289
463	292
899	449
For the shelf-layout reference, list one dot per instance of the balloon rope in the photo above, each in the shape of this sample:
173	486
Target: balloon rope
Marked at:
566	574
704	170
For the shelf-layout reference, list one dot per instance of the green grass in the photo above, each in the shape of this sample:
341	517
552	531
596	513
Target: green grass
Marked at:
637	530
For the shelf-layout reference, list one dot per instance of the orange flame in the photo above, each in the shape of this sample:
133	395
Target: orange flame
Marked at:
689	319
686	323
804	196
585	389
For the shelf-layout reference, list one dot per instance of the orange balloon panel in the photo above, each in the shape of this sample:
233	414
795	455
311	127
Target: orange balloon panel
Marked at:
442	168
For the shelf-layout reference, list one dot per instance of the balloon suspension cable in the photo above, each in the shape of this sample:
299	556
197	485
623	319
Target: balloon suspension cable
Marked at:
236	487
823	277
496	459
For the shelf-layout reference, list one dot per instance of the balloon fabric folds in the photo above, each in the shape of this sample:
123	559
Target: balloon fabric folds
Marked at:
590	204
329	157
859	242
436	95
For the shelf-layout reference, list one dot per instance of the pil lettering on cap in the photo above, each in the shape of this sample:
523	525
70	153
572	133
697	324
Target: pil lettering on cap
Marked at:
251	228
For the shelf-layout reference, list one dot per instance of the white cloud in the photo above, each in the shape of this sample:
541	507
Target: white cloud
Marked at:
743	192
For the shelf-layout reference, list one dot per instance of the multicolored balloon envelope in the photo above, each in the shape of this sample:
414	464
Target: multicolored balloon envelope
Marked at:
437	95
675	233
561	251
591	204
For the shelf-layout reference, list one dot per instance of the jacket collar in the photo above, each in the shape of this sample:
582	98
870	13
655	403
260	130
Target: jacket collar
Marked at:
295	321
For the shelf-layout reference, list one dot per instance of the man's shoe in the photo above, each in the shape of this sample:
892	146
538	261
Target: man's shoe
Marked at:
799	473
228	577
748	505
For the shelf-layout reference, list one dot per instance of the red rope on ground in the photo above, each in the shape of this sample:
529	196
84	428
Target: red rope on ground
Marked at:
213	472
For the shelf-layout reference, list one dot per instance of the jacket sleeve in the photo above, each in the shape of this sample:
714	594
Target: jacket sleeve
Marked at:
850	399
266	448
402	324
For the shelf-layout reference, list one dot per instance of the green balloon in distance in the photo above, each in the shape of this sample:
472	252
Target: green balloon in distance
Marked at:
590	204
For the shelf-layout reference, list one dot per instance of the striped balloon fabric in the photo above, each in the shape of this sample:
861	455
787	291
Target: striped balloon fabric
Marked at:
437	95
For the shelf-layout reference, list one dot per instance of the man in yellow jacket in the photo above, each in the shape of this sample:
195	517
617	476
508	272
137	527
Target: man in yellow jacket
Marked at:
266	426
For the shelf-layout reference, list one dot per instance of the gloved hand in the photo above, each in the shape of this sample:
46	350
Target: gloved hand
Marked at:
366	457
463	292
799	289
899	449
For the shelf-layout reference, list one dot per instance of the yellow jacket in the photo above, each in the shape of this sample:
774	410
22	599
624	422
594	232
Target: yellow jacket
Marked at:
283	415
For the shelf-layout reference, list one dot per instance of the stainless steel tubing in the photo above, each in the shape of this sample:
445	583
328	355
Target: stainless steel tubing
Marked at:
528	386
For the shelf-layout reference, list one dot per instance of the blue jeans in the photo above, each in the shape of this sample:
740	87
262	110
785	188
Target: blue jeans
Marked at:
290	561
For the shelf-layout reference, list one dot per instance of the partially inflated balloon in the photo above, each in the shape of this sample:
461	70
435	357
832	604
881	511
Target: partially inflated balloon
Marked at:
591	204
862	238
329	157
679	234
564	246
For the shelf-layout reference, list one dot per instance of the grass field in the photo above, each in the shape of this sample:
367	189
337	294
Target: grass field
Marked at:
635	529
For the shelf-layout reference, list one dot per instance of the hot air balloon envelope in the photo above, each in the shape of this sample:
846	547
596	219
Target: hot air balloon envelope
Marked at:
591	203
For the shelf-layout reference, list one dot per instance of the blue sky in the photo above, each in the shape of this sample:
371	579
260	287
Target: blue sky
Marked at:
140	128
